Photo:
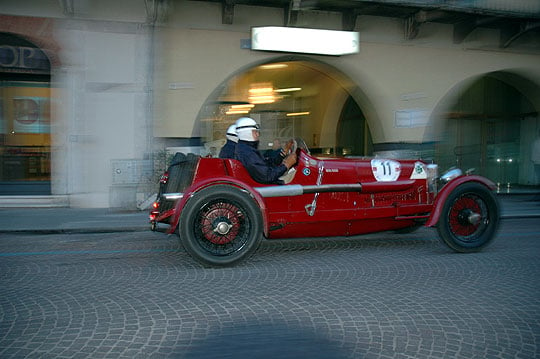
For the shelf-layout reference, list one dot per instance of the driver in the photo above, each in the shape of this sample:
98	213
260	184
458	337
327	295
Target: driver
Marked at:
227	151
261	170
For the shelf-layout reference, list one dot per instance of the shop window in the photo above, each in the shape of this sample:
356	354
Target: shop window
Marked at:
25	141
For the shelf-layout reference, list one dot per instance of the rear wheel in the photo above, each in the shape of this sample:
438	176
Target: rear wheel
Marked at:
220	225
470	218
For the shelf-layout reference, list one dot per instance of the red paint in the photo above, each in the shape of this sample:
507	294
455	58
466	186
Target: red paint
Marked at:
379	206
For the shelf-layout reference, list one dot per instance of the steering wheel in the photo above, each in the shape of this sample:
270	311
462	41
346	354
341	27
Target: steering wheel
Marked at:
289	175
294	146
301	144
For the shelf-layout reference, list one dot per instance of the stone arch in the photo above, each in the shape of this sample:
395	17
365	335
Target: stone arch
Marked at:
332	116
22	56
488	122
516	79
38	31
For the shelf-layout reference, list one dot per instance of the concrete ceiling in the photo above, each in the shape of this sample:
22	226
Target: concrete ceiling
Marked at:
513	18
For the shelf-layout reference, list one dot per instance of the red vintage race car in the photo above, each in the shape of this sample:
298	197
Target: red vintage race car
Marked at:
221	214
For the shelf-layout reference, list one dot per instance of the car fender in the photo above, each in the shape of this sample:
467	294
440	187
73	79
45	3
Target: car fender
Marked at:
190	191
447	189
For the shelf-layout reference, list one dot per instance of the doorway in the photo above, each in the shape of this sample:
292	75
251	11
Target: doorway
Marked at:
489	130
290	98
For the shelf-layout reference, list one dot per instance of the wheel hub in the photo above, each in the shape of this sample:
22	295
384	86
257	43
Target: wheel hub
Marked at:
221	224
222	228
468	216
474	218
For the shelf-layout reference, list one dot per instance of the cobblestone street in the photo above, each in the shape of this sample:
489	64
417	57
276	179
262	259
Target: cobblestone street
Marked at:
139	295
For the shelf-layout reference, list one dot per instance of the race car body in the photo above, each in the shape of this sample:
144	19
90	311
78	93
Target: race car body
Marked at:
222	214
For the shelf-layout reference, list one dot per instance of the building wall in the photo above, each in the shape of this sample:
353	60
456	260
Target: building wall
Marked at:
199	53
120	86
101	75
103	108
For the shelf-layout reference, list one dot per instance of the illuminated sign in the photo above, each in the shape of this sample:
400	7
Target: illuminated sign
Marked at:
301	40
23	59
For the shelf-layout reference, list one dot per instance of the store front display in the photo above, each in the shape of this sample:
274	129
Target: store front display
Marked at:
25	118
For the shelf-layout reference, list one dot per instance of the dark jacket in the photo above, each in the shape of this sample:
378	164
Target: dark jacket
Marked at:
227	151
273	157
261	170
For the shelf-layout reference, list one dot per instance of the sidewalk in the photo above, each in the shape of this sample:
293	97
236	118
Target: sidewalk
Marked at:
520	205
84	220
71	220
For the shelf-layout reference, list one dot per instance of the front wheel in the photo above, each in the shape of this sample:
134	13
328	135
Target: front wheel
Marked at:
470	218
220	225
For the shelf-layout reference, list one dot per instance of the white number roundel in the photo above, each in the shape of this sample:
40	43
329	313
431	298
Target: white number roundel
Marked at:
385	170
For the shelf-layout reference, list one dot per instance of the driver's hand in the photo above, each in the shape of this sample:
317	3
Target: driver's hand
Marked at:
290	160
288	146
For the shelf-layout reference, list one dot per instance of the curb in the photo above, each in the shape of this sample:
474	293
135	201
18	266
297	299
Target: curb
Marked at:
146	227
520	215
77	230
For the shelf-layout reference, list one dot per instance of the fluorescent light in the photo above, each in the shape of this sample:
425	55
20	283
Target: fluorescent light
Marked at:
238	107
261	93
260	90
297	114
273	66
262	99
309	41
290	89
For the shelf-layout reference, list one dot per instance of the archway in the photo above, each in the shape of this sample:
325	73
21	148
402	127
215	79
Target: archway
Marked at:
25	123
489	123
353	136
292	96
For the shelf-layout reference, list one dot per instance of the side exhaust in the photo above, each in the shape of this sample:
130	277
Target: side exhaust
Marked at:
298	190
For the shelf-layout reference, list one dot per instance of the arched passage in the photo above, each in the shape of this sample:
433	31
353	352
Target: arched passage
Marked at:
489	123
25	121
292	96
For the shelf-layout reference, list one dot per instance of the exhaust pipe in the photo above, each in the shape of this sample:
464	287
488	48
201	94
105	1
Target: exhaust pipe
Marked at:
298	190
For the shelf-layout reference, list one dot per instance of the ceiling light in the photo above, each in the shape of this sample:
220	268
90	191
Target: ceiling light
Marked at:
236	112
273	66
290	89
297	114
261	93
246	106
239	109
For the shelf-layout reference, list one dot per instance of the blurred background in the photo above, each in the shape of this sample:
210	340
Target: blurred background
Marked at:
96	95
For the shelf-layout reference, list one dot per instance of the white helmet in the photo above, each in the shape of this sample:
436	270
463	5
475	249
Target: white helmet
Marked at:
231	133
244	128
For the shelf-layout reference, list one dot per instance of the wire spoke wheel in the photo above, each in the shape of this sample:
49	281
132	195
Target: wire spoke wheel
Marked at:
470	218
220	225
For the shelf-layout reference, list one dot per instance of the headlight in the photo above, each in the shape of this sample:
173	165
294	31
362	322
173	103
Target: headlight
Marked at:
450	175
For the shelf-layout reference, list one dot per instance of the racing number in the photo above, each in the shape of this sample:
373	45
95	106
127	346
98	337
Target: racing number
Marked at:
385	170
386	166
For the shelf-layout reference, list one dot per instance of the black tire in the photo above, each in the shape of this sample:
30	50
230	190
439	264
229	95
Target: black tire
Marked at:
220	225
469	218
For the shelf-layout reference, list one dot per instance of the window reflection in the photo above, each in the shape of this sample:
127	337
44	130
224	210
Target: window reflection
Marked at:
25	132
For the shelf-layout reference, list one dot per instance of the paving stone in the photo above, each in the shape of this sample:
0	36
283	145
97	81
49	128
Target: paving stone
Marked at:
139	295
